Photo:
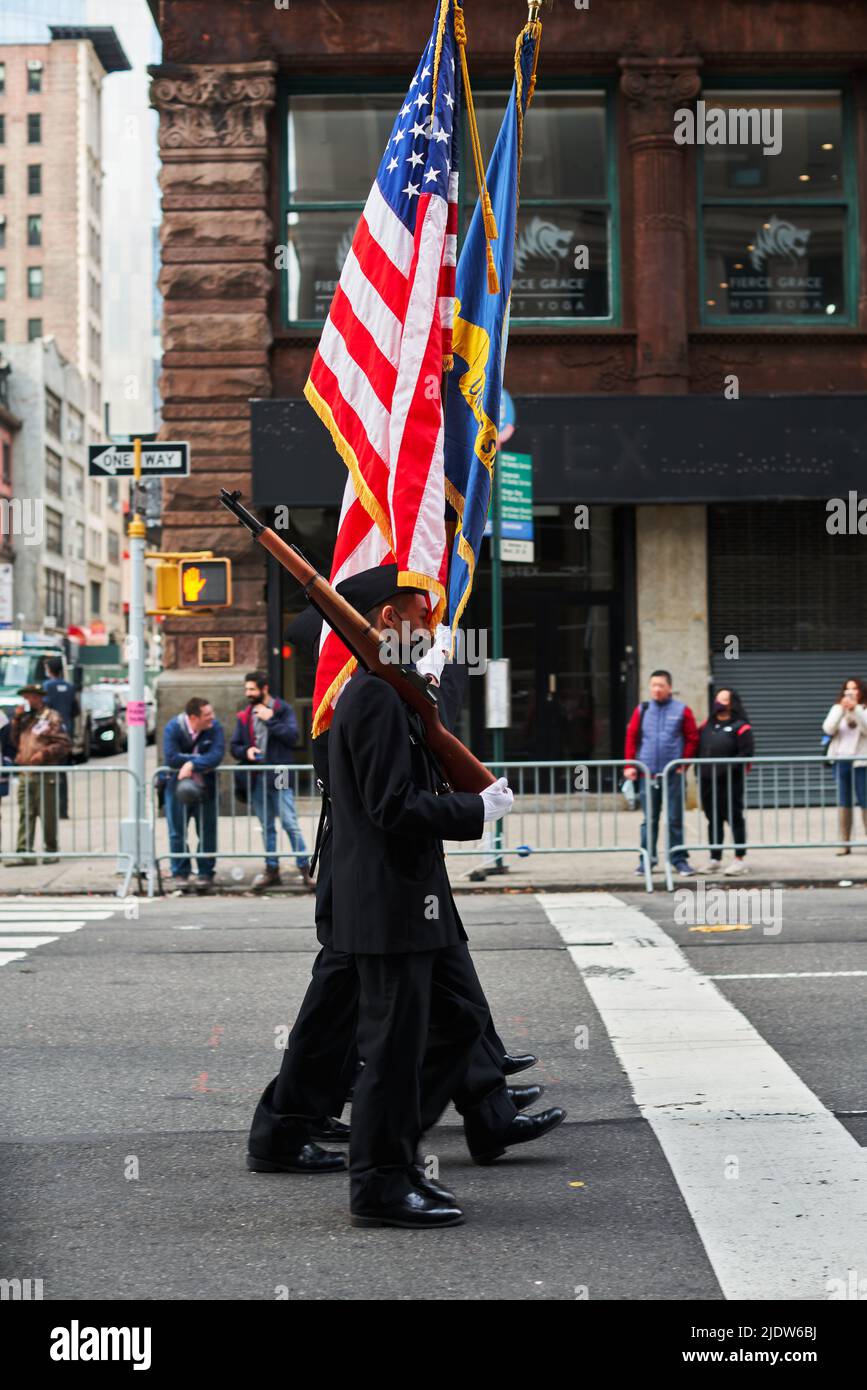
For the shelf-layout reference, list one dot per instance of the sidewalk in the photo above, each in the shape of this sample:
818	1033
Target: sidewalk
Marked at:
536	872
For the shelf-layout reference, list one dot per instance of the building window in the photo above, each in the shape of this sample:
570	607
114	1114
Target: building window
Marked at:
113	548
75	490
34	329
94	541
7	462
2	330
96	496
2	78
335	142
34	178
779	240
113	596
34	75
54	598
76	605
53	473
2	179
34	282
113	493
95	598
2	282
95	340
53	414
74	425
2	231
34	229
34	128
2	130
53	531
95	396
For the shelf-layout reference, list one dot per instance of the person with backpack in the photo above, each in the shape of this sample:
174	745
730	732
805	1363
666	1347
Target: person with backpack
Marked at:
193	746
661	729
846	725
266	731
725	734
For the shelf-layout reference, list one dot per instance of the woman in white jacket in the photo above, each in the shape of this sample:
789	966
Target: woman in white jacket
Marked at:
847	725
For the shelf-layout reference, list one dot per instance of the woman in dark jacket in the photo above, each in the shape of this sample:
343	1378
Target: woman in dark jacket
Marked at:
725	734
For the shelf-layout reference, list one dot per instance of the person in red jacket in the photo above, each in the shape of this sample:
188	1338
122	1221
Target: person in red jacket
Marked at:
661	730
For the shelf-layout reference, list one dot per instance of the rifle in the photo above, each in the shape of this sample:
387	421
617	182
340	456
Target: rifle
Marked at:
464	771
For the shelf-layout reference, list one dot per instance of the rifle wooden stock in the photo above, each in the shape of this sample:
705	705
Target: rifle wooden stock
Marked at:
464	771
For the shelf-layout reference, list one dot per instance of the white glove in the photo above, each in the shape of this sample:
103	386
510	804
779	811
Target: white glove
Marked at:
498	799
433	661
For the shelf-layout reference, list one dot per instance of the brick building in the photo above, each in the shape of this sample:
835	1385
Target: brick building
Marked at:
699	387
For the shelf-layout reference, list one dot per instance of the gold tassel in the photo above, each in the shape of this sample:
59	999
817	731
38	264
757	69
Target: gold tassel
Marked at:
490	219
493	279
449	363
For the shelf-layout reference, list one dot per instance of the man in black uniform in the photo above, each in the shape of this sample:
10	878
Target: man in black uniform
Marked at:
319	1061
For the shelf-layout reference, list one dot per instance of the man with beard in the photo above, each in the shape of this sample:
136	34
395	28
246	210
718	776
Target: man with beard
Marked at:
434	975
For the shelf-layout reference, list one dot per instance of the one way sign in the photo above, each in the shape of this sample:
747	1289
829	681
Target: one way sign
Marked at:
163	460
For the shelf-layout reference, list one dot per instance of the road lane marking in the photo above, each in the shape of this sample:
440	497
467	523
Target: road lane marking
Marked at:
31	942
796	975
718	1097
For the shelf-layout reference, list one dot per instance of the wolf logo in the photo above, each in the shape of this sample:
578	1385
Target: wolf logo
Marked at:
343	247
542	241
779	238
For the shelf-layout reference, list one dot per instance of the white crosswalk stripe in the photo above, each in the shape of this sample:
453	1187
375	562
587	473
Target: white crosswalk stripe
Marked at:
776	1185
33	922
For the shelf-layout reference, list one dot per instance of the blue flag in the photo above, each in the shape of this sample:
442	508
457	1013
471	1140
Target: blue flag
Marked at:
481	333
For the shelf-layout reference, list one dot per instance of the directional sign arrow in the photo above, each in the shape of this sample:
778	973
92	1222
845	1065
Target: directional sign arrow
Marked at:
108	461
158	460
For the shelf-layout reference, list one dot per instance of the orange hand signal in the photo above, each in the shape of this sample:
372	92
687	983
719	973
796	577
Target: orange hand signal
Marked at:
194	583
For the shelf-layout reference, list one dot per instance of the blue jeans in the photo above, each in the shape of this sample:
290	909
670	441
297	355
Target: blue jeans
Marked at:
650	833
179	816
270	803
849	779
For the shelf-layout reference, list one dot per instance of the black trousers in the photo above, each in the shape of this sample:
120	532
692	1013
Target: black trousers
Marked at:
721	802
320	1060
416	1030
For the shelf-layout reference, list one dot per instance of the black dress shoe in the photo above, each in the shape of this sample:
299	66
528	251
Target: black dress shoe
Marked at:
308	1158
522	1130
329	1130
415	1211
522	1061
431	1188
521	1096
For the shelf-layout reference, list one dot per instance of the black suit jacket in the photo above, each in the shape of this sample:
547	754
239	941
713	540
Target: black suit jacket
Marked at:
390	889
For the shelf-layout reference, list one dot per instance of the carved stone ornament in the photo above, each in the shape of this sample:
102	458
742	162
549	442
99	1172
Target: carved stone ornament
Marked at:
654	88
214	106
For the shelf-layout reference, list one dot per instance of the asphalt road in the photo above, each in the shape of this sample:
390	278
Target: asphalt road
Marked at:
133	1053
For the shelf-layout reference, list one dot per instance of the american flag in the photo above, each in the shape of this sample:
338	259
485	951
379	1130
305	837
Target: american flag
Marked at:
375	378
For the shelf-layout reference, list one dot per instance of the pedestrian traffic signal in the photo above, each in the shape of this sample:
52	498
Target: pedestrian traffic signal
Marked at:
168	590
205	584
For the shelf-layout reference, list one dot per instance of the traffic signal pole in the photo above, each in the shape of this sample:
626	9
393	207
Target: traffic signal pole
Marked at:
136	832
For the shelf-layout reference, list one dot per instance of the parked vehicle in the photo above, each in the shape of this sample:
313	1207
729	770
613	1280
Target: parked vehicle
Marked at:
22	662
107	719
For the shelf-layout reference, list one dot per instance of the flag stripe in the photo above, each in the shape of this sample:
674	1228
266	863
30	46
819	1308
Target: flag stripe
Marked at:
364	348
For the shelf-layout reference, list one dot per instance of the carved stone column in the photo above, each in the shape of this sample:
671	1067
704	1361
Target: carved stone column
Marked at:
217	271
654	88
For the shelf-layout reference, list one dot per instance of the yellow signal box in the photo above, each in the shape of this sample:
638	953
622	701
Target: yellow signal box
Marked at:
168	588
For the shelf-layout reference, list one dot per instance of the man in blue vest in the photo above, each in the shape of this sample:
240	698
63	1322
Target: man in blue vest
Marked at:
193	746
660	730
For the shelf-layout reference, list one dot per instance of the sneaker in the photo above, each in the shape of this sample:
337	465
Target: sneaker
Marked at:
714	866
684	870
737	866
269	878
639	872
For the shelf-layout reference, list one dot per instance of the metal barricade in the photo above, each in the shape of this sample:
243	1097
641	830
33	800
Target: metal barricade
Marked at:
75	811
564	807
250	812
786	803
561	807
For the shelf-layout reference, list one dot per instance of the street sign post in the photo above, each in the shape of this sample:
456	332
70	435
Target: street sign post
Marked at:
163	460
